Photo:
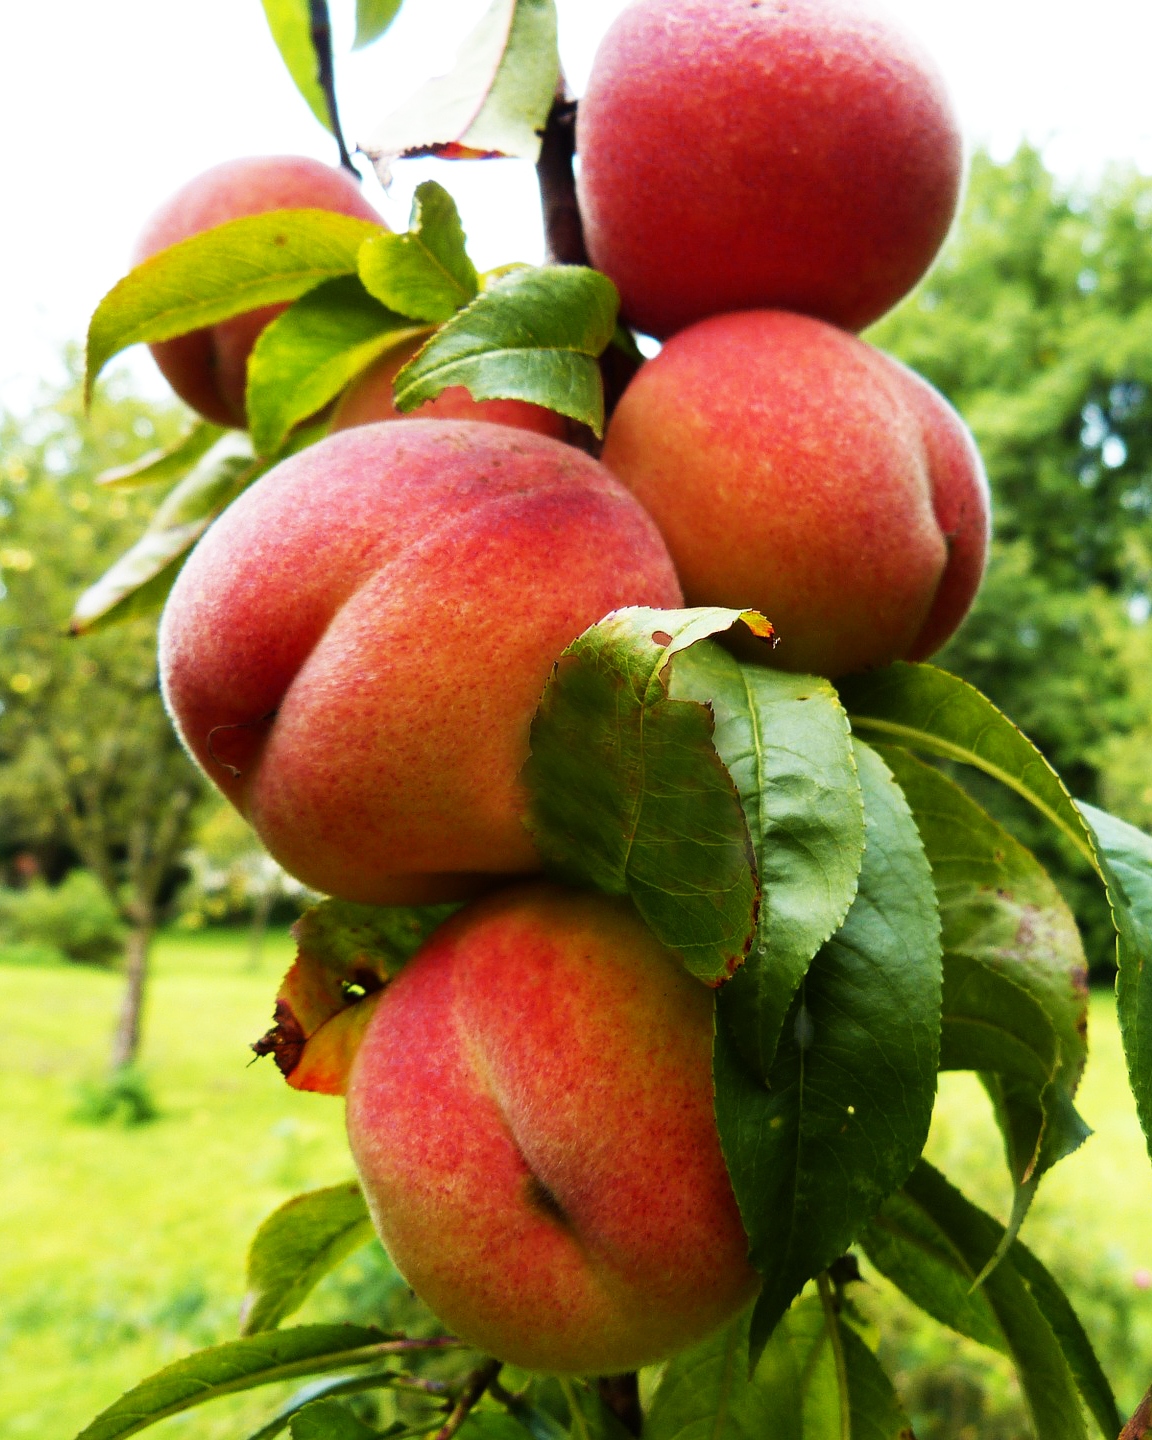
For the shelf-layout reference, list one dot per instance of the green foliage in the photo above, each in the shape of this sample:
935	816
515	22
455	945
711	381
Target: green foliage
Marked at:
236	1365
706	1390
813	1370
930	710
88	761
930	1230
75	918
496	99
426	273
306	356
1035	322
786	743
373	17
628	794
534	335
139	581
170	462
836	1123
345	937
329	1420
236	267
290	22
296	1247
1015	982
124	1098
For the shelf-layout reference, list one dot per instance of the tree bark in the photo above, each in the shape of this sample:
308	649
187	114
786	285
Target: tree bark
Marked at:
563	229
126	1044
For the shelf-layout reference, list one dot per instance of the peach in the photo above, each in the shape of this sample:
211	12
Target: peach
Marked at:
735	154
796	470
208	369
369	398
356	648
530	1112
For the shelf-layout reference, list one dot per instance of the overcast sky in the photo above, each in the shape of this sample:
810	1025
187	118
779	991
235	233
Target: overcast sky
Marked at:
106	108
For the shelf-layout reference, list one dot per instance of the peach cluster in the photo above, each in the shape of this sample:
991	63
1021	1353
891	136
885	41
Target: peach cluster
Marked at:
355	651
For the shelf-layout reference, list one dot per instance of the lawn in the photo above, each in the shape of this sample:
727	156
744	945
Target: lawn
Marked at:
123	1248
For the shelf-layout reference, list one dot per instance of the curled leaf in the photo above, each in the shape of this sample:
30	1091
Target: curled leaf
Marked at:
346	954
494	101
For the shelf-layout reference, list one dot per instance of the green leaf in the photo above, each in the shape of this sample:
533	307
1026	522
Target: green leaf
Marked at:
627	793
235	267
1015	977
786	743
930	1229
924	708
345	937
705	1393
329	1420
533	335
928	709
875	1411
1129	855
426	273
796	1376
306	356
907	1245
493	1425
139	582
494	101
290	22
238	1365
837	1123
322	1390
590	1418
1057	1310
296	1247
373	18
170	464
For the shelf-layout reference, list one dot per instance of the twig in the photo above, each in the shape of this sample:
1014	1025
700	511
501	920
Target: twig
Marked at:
326	74
474	1387
1140	1424
563	228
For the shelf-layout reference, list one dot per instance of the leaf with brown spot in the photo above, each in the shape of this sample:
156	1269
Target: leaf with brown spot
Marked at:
346	954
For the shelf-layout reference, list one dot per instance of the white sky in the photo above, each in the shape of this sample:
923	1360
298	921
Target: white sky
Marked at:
106	108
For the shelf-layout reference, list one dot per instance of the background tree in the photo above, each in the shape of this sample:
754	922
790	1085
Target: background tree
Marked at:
1037	324
90	769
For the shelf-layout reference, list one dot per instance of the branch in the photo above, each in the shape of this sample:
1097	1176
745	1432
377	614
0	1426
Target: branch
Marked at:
474	1387
563	228
1140	1424
326	74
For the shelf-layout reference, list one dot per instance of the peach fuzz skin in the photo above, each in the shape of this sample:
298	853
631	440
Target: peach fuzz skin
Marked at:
796	470
356	648
794	154
370	398
208	369
530	1112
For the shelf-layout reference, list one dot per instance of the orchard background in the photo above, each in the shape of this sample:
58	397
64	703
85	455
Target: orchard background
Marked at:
1042	286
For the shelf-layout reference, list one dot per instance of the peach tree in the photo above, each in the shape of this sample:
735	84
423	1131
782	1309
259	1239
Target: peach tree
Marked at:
430	656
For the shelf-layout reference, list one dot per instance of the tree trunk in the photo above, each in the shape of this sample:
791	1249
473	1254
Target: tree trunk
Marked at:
127	1041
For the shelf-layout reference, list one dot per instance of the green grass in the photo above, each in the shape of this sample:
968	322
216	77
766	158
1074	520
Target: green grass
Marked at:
123	1249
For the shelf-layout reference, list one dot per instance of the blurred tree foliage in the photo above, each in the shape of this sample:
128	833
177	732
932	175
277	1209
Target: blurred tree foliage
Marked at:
1037	323
89	765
